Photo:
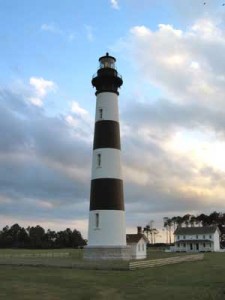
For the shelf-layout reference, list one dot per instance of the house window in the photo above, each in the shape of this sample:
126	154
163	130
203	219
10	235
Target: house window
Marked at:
100	113
178	245
204	245
178	237
184	245
99	160
97	220
196	236
203	236
184	237
210	236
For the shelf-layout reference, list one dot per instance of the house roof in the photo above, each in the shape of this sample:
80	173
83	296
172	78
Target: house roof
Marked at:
135	238
195	230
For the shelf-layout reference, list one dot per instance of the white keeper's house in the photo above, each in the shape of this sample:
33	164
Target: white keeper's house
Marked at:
196	239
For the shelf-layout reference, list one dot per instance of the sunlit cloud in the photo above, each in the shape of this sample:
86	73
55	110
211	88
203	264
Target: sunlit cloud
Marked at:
41	88
175	158
114	4
78	110
180	62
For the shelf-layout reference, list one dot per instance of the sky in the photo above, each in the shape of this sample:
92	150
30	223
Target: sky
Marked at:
171	55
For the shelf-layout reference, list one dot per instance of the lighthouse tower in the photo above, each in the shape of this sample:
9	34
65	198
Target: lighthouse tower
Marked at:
106	230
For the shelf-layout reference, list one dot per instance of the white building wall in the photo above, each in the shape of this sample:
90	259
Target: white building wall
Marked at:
141	249
214	245
133	250
138	250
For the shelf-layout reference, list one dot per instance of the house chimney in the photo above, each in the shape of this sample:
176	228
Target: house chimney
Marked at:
139	230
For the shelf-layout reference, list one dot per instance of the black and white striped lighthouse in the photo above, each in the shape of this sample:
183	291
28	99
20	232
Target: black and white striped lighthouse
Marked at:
106	230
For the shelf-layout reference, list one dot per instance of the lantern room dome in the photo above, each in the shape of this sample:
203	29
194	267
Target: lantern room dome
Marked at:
107	78
107	61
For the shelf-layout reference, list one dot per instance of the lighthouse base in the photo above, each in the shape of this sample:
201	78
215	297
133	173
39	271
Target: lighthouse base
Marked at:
107	253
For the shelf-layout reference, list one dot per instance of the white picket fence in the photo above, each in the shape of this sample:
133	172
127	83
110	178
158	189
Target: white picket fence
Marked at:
164	261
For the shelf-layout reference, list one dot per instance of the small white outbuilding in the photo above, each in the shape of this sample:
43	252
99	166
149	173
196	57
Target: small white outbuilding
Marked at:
138	244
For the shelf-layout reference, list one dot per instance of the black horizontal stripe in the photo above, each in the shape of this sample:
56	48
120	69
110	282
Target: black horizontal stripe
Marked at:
106	194
107	135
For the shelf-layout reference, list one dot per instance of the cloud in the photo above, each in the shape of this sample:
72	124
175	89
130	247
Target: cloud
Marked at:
45	166
56	30
41	88
182	63
78	117
89	33
52	28
114	4
173	145
75	108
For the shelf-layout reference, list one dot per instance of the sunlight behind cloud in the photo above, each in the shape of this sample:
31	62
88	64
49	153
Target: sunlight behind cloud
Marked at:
202	148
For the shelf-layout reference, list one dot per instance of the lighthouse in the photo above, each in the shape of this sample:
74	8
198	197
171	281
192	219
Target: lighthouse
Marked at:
106	228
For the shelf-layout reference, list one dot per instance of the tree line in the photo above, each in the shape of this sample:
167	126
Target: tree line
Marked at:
215	218
37	238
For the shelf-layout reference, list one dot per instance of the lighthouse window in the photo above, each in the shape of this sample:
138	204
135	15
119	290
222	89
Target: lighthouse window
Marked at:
100	113
99	160
97	220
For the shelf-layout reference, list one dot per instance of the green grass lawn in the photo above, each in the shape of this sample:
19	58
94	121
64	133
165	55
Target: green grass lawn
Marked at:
192	280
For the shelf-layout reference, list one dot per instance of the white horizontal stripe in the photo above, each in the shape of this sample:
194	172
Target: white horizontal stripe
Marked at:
107	107
111	229
106	163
